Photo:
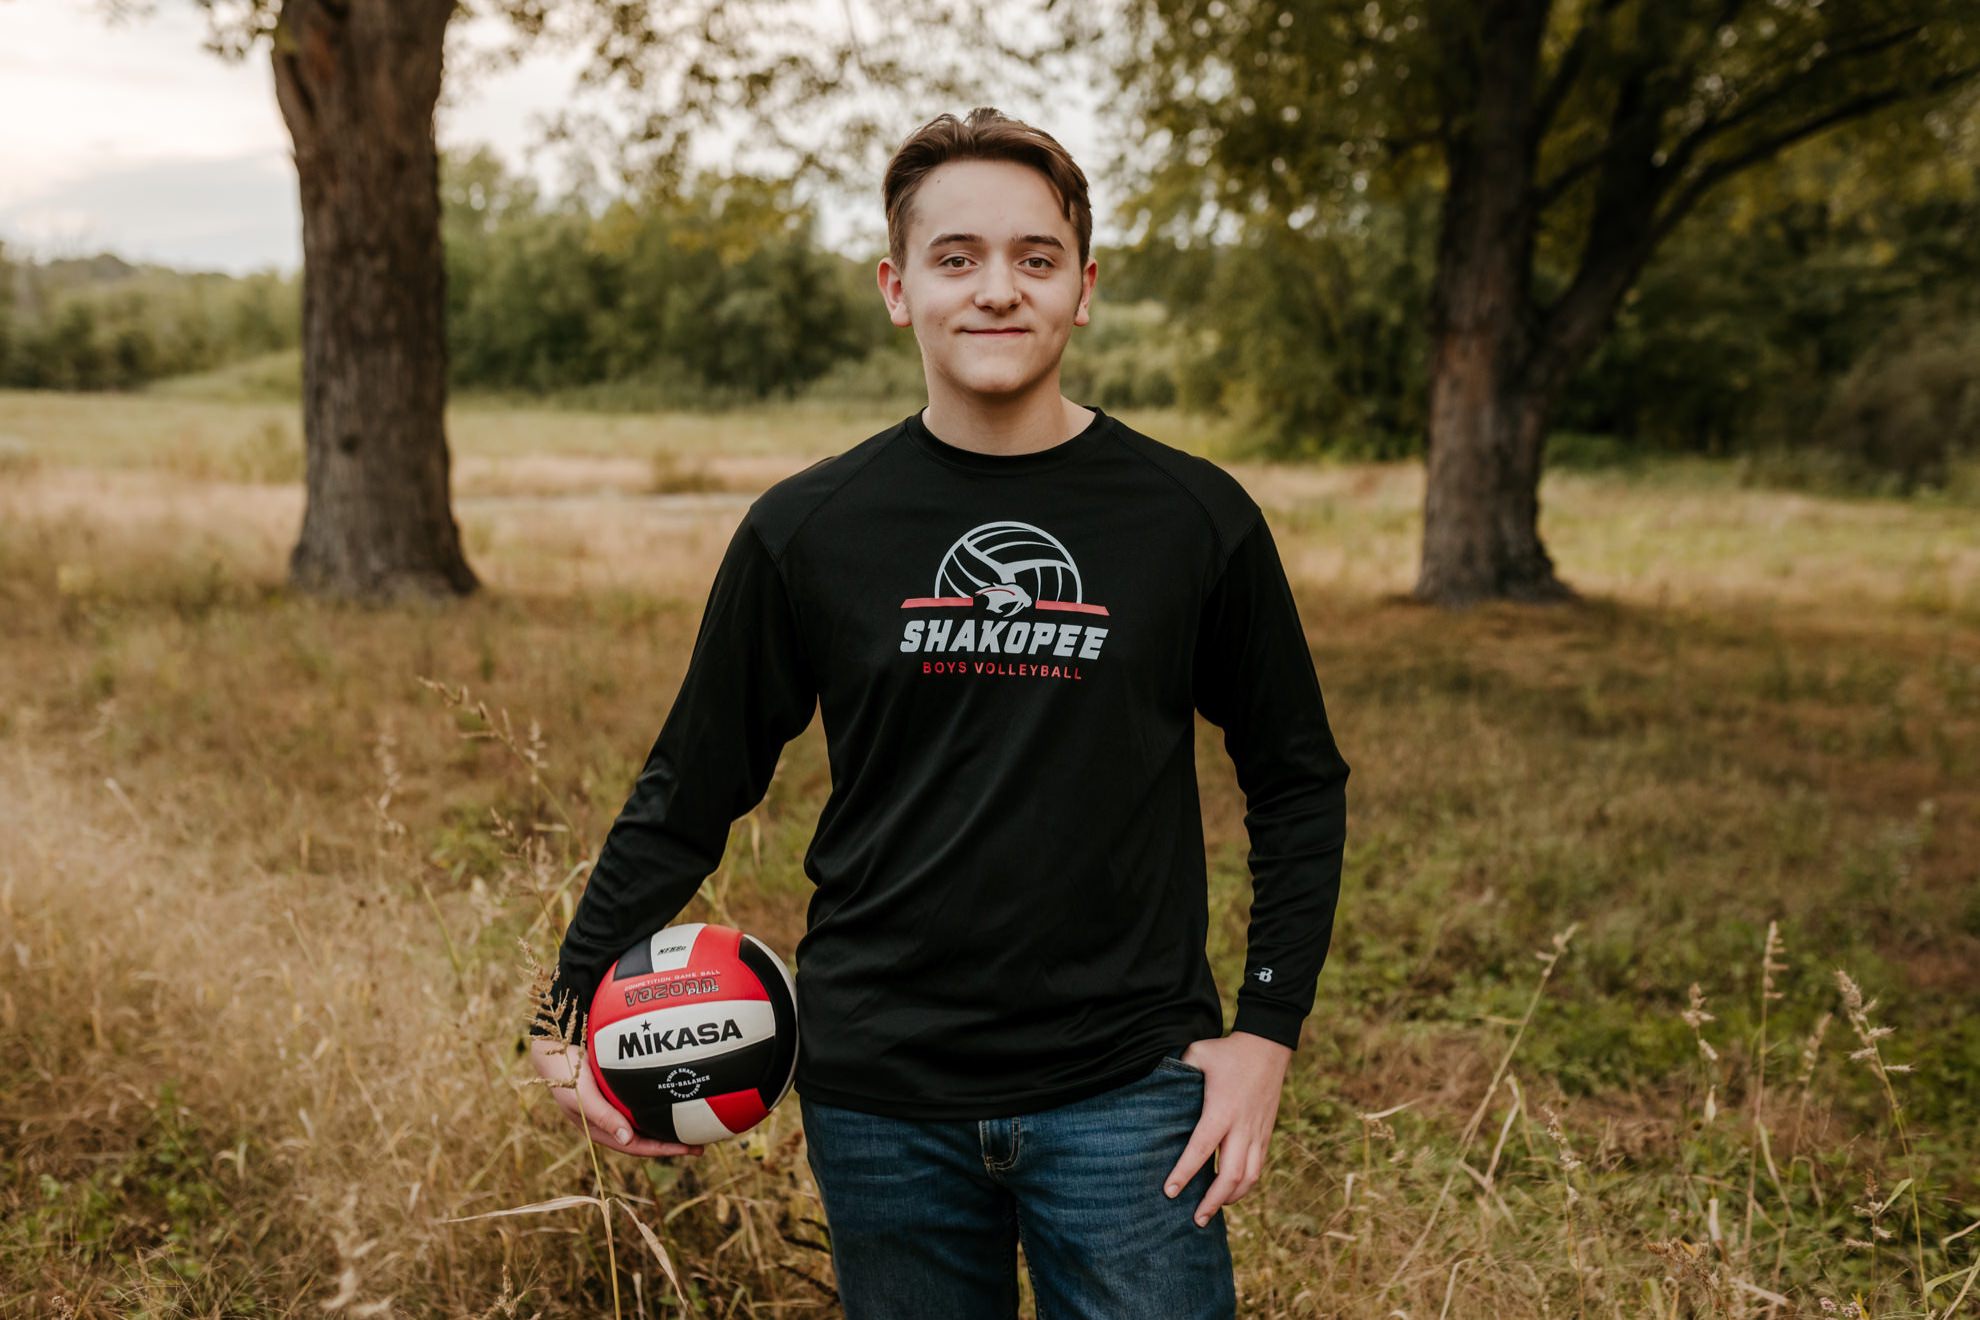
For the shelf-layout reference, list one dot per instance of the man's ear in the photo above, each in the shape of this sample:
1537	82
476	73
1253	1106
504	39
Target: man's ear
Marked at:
894	291
1086	280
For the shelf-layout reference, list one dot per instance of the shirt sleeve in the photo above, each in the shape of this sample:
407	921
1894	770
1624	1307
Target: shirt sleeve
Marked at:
1254	679
748	691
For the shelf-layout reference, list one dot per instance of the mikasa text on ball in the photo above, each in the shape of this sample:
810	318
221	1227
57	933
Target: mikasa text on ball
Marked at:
693	1033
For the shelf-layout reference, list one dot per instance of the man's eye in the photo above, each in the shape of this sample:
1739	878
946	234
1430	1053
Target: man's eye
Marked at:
1043	262
953	257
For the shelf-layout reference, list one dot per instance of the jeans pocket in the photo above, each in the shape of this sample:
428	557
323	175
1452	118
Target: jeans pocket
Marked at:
1174	1063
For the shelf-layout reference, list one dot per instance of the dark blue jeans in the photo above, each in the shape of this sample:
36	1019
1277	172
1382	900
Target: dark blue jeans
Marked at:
926	1215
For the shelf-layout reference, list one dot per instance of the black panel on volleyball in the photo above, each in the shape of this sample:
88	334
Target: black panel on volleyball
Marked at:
651	1093
636	961
758	960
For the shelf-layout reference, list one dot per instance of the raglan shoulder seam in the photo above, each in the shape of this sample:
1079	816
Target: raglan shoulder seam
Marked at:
1251	527
1224	551
776	565
827	497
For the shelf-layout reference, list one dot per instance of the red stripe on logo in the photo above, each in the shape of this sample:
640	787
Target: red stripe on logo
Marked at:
1080	606
923	602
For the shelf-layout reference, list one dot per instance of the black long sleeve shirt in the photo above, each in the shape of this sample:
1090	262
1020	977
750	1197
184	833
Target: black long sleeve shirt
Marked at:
1009	908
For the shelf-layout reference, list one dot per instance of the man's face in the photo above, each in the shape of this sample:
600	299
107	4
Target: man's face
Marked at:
990	277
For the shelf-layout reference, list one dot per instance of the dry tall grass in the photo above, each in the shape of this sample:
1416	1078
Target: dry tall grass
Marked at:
261	890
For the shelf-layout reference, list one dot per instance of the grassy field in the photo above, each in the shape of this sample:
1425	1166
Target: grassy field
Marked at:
261	993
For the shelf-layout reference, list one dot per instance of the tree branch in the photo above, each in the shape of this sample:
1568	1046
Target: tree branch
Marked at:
1562	79
1622	235
1640	77
1633	111
1775	143
1681	155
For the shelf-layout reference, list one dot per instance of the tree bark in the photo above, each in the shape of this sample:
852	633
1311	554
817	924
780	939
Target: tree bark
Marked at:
1481	507
1487	417
357	81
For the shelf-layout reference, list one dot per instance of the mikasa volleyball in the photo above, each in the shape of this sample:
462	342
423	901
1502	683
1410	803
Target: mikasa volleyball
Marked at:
693	1033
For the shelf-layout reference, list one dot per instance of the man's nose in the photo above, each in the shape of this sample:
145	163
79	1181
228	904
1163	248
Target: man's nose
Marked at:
997	288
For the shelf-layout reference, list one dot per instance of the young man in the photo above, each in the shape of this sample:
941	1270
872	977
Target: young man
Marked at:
1008	609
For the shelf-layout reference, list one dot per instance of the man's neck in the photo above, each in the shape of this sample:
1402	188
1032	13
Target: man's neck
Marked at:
1036	420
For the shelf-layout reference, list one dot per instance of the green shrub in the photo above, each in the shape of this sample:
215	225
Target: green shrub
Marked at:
1909	407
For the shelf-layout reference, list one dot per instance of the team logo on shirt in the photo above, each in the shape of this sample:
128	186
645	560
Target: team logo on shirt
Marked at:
1002	596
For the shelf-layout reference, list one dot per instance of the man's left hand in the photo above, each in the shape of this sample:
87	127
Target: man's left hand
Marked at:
1242	1077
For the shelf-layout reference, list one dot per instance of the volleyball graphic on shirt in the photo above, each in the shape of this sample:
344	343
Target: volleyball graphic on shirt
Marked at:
693	1033
1008	566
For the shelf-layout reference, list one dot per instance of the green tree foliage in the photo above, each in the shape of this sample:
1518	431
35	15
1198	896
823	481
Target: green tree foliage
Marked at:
1313	334
1792	297
9	272
1570	142
709	290
1736	338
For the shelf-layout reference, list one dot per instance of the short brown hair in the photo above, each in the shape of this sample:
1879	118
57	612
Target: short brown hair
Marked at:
986	134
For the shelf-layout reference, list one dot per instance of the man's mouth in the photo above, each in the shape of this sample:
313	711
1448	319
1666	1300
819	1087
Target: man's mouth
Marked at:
1007	330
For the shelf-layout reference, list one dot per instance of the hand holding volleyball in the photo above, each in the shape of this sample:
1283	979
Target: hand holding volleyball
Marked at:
587	1109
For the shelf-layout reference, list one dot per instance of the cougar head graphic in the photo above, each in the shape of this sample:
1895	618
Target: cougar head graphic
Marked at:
1004	597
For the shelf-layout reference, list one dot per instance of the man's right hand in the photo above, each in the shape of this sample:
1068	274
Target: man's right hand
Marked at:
583	1105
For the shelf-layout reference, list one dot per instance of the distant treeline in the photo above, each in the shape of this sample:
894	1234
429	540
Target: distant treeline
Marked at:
709	290
1844	332
99	323
706	292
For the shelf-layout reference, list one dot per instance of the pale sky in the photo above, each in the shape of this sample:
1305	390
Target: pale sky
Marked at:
131	138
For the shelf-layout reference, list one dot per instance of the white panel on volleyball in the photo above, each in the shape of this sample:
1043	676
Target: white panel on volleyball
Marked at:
671	948
663	1037
695	1123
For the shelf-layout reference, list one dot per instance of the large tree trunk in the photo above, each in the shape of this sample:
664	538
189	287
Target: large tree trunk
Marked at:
1481	505
357	81
1487	418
